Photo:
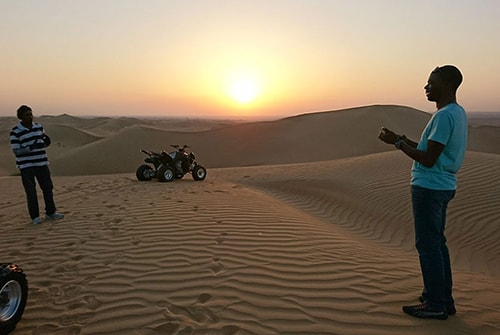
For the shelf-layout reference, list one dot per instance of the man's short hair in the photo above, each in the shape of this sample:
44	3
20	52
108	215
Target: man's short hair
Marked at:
21	110
450	74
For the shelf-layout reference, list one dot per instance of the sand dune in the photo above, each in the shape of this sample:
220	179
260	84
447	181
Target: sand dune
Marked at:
311	247
106	145
484	139
359	195
306	138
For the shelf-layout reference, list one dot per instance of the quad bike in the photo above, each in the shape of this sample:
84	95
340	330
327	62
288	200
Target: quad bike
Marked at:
168	166
13	296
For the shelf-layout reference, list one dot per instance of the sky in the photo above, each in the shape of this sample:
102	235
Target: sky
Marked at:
241	59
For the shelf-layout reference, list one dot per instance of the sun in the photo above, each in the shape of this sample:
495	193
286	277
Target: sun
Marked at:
244	88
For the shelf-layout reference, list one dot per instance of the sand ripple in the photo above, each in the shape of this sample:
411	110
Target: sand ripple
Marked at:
302	249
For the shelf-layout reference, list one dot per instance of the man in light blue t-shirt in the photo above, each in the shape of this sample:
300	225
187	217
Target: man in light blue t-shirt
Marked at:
437	158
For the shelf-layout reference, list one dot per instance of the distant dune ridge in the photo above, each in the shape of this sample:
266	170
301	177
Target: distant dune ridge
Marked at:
112	145
303	226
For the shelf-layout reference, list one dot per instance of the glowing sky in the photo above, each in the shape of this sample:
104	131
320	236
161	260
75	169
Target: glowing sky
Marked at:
187	57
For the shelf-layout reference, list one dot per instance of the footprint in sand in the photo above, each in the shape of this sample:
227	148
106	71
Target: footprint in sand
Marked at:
112	206
77	257
216	266
204	297
196	312
221	238
91	302
135	241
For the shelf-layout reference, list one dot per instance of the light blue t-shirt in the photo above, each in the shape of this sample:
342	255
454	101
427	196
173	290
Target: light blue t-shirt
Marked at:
447	126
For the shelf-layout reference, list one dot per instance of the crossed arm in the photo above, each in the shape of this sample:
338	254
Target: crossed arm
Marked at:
39	143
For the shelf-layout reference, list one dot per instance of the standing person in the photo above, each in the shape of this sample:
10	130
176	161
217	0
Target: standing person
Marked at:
28	142
437	158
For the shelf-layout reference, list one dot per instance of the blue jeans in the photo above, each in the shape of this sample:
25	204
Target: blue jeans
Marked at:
429	213
42	175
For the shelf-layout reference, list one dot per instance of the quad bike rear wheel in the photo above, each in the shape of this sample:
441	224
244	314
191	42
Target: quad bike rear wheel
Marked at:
144	172
199	173
13	296
166	174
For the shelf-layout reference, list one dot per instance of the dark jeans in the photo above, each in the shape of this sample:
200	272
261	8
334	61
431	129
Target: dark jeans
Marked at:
429	213
42	175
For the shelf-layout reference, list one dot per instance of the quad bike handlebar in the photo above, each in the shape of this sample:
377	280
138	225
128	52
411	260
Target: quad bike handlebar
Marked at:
178	147
150	153
175	146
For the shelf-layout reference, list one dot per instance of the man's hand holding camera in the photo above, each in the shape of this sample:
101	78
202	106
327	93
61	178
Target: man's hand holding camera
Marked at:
40	143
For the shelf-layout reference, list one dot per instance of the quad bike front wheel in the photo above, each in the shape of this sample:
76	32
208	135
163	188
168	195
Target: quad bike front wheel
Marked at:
13	296
144	172
166	174
199	173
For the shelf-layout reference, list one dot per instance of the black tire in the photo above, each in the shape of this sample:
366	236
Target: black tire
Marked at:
13	296
199	173
144	172
166	173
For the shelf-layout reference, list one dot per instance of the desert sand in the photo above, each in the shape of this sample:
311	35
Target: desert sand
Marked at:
303	226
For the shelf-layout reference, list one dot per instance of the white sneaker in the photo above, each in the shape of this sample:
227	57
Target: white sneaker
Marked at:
55	216
36	220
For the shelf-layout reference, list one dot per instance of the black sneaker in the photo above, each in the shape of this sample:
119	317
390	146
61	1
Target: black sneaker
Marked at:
450	308
424	311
